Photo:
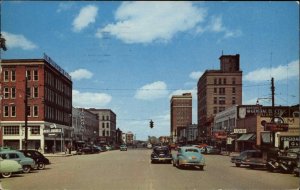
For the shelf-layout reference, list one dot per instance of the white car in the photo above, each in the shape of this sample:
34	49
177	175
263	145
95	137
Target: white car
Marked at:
149	145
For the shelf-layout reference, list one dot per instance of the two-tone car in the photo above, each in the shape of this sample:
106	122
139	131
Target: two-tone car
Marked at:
188	156
237	160
27	163
8	167
161	154
39	158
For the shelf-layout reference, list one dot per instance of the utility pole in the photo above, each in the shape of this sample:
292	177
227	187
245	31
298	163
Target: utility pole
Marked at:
26	113
273	108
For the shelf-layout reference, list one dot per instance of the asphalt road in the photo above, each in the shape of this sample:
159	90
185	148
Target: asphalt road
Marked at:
132	170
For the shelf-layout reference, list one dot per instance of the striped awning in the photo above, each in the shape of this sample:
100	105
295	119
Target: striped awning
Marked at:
247	137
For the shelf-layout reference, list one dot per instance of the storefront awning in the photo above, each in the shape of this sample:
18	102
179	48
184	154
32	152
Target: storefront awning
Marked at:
247	137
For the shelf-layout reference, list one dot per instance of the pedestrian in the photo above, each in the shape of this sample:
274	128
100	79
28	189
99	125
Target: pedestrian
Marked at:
66	149
53	149
70	148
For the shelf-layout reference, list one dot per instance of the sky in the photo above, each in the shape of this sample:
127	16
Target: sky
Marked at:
131	57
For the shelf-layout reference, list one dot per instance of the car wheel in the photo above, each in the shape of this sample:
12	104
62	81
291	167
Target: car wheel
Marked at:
237	165
41	166
6	174
26	169
201	167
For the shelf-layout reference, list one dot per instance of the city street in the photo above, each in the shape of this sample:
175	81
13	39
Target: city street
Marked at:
132	170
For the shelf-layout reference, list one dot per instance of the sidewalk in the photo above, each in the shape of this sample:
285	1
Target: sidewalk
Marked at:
60	154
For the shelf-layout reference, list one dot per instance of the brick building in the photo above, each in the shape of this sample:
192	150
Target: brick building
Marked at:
218	90
181	115
107	125
49	103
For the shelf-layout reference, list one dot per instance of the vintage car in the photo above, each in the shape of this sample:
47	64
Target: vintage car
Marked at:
39	158
188	156
161	154
237	160
90	149
8	167
123	147
255	160
27	163
211	150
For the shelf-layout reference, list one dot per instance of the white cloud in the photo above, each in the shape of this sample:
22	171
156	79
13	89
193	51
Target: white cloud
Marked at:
81	74
279	73
86	16
90	100
196	75
145	22
18	41
152	91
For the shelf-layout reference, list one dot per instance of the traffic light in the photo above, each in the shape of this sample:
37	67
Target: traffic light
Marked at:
151	124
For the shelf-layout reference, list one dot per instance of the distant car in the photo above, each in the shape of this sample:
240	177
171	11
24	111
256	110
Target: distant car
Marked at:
210	150
161	154
237	160
27	163
39	158
123	147
189	156
149	145
254	160
8	167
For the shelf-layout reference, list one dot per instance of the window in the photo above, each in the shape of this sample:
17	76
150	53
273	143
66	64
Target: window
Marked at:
222	91
233	90
28	92
13	75
233	80
103	125
215	90
6	92
103	133
6	76
220	81
215	80
35	75
221	100
5	111
13	111
35	92
107	133
13	92
13	156
107	125
215	100
233	101
224	81
35	111
28	74
107	117
103	117
11	130
215	110
35	130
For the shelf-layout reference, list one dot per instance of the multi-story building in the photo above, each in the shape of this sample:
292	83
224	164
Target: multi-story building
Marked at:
218	90
129	138
107	125
46	90
181	114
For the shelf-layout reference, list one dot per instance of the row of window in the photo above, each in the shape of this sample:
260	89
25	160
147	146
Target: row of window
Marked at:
56	83
11	111
105	118
218	109
10	75
103	125
15	130
224	81
53	97
105	134
222	100
10	92
223	92
55	114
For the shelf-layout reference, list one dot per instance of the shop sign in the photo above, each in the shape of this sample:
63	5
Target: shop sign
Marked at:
293	140
52	130
239	131
276	127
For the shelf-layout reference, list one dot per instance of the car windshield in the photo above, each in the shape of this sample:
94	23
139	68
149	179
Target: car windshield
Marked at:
161	150
191	150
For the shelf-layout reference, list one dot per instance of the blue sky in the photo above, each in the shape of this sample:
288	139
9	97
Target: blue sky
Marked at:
131	57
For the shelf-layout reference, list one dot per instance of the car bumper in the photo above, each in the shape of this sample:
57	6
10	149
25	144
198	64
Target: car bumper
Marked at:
253	163
190	163
161	159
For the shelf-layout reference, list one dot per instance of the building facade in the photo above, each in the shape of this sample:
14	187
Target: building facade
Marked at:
46	90
107	125
181	114
216	91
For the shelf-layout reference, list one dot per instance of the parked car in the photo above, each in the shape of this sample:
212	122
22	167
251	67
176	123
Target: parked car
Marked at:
39	158
211	150
27	163
123	147
237	160
254	160
8	167
161	154
297	169
91	149
188	156
149	145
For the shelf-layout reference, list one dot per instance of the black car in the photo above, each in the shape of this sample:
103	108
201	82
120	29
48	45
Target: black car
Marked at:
161	154
90	150
38	157
237	160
